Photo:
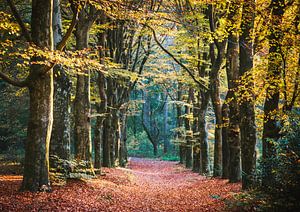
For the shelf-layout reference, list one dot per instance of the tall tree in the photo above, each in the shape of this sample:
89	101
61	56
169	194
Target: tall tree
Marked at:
179	124
203	100
40	85
102	107
225	146
271	106
214	78
82	107
36	164
165	121
60	144
189	129
232	68
247	112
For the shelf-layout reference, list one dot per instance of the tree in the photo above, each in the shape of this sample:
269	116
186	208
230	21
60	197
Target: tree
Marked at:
40	85
82	107
215	89
60	144
247	113
149	123
189	130
102	107
271	127
232	68
165	125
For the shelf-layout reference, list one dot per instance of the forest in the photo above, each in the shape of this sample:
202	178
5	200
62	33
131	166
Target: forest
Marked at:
149	105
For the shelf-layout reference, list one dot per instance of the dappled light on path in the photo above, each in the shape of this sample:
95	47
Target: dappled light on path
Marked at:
146	185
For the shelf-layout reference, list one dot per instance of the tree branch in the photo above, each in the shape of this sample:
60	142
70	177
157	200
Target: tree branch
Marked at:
7	79
201	85
66	37
19	20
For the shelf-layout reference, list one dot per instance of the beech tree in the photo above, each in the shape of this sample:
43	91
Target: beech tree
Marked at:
82	107
247	110
40	85
60	144
271	105
216	62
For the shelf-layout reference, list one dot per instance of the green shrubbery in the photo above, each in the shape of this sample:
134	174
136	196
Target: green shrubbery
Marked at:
139	146
283	192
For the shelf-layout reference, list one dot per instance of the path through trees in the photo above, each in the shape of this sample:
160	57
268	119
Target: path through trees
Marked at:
147	185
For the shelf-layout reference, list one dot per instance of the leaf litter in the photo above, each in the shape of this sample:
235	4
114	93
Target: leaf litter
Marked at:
146	185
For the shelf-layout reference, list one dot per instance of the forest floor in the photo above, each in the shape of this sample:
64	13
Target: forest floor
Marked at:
146	185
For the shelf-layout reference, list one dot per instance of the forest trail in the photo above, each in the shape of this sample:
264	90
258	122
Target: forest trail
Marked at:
146	185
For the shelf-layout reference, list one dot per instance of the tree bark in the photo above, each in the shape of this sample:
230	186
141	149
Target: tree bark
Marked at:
102	107
225	147
179	125
203	100
165	125
117	137
247	112
36	164
123	138
82	119
215	90
60	144
106	143
189	131
111	132
97	142
204	154
232	67
196	135
217	106
82	107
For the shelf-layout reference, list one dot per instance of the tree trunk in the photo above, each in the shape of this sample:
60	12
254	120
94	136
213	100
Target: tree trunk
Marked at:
247	112
99	138
82	119
112	139
60	144
110	128
117	138
196	138
271	129
215	90
189	132
225	147
165	126
155	149
106	142
82	107
217	106
203	142
36	164
232	76
179	125
196	157
102	107
123	138
97	142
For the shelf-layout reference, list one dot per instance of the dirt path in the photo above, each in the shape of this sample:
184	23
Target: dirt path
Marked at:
146	185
